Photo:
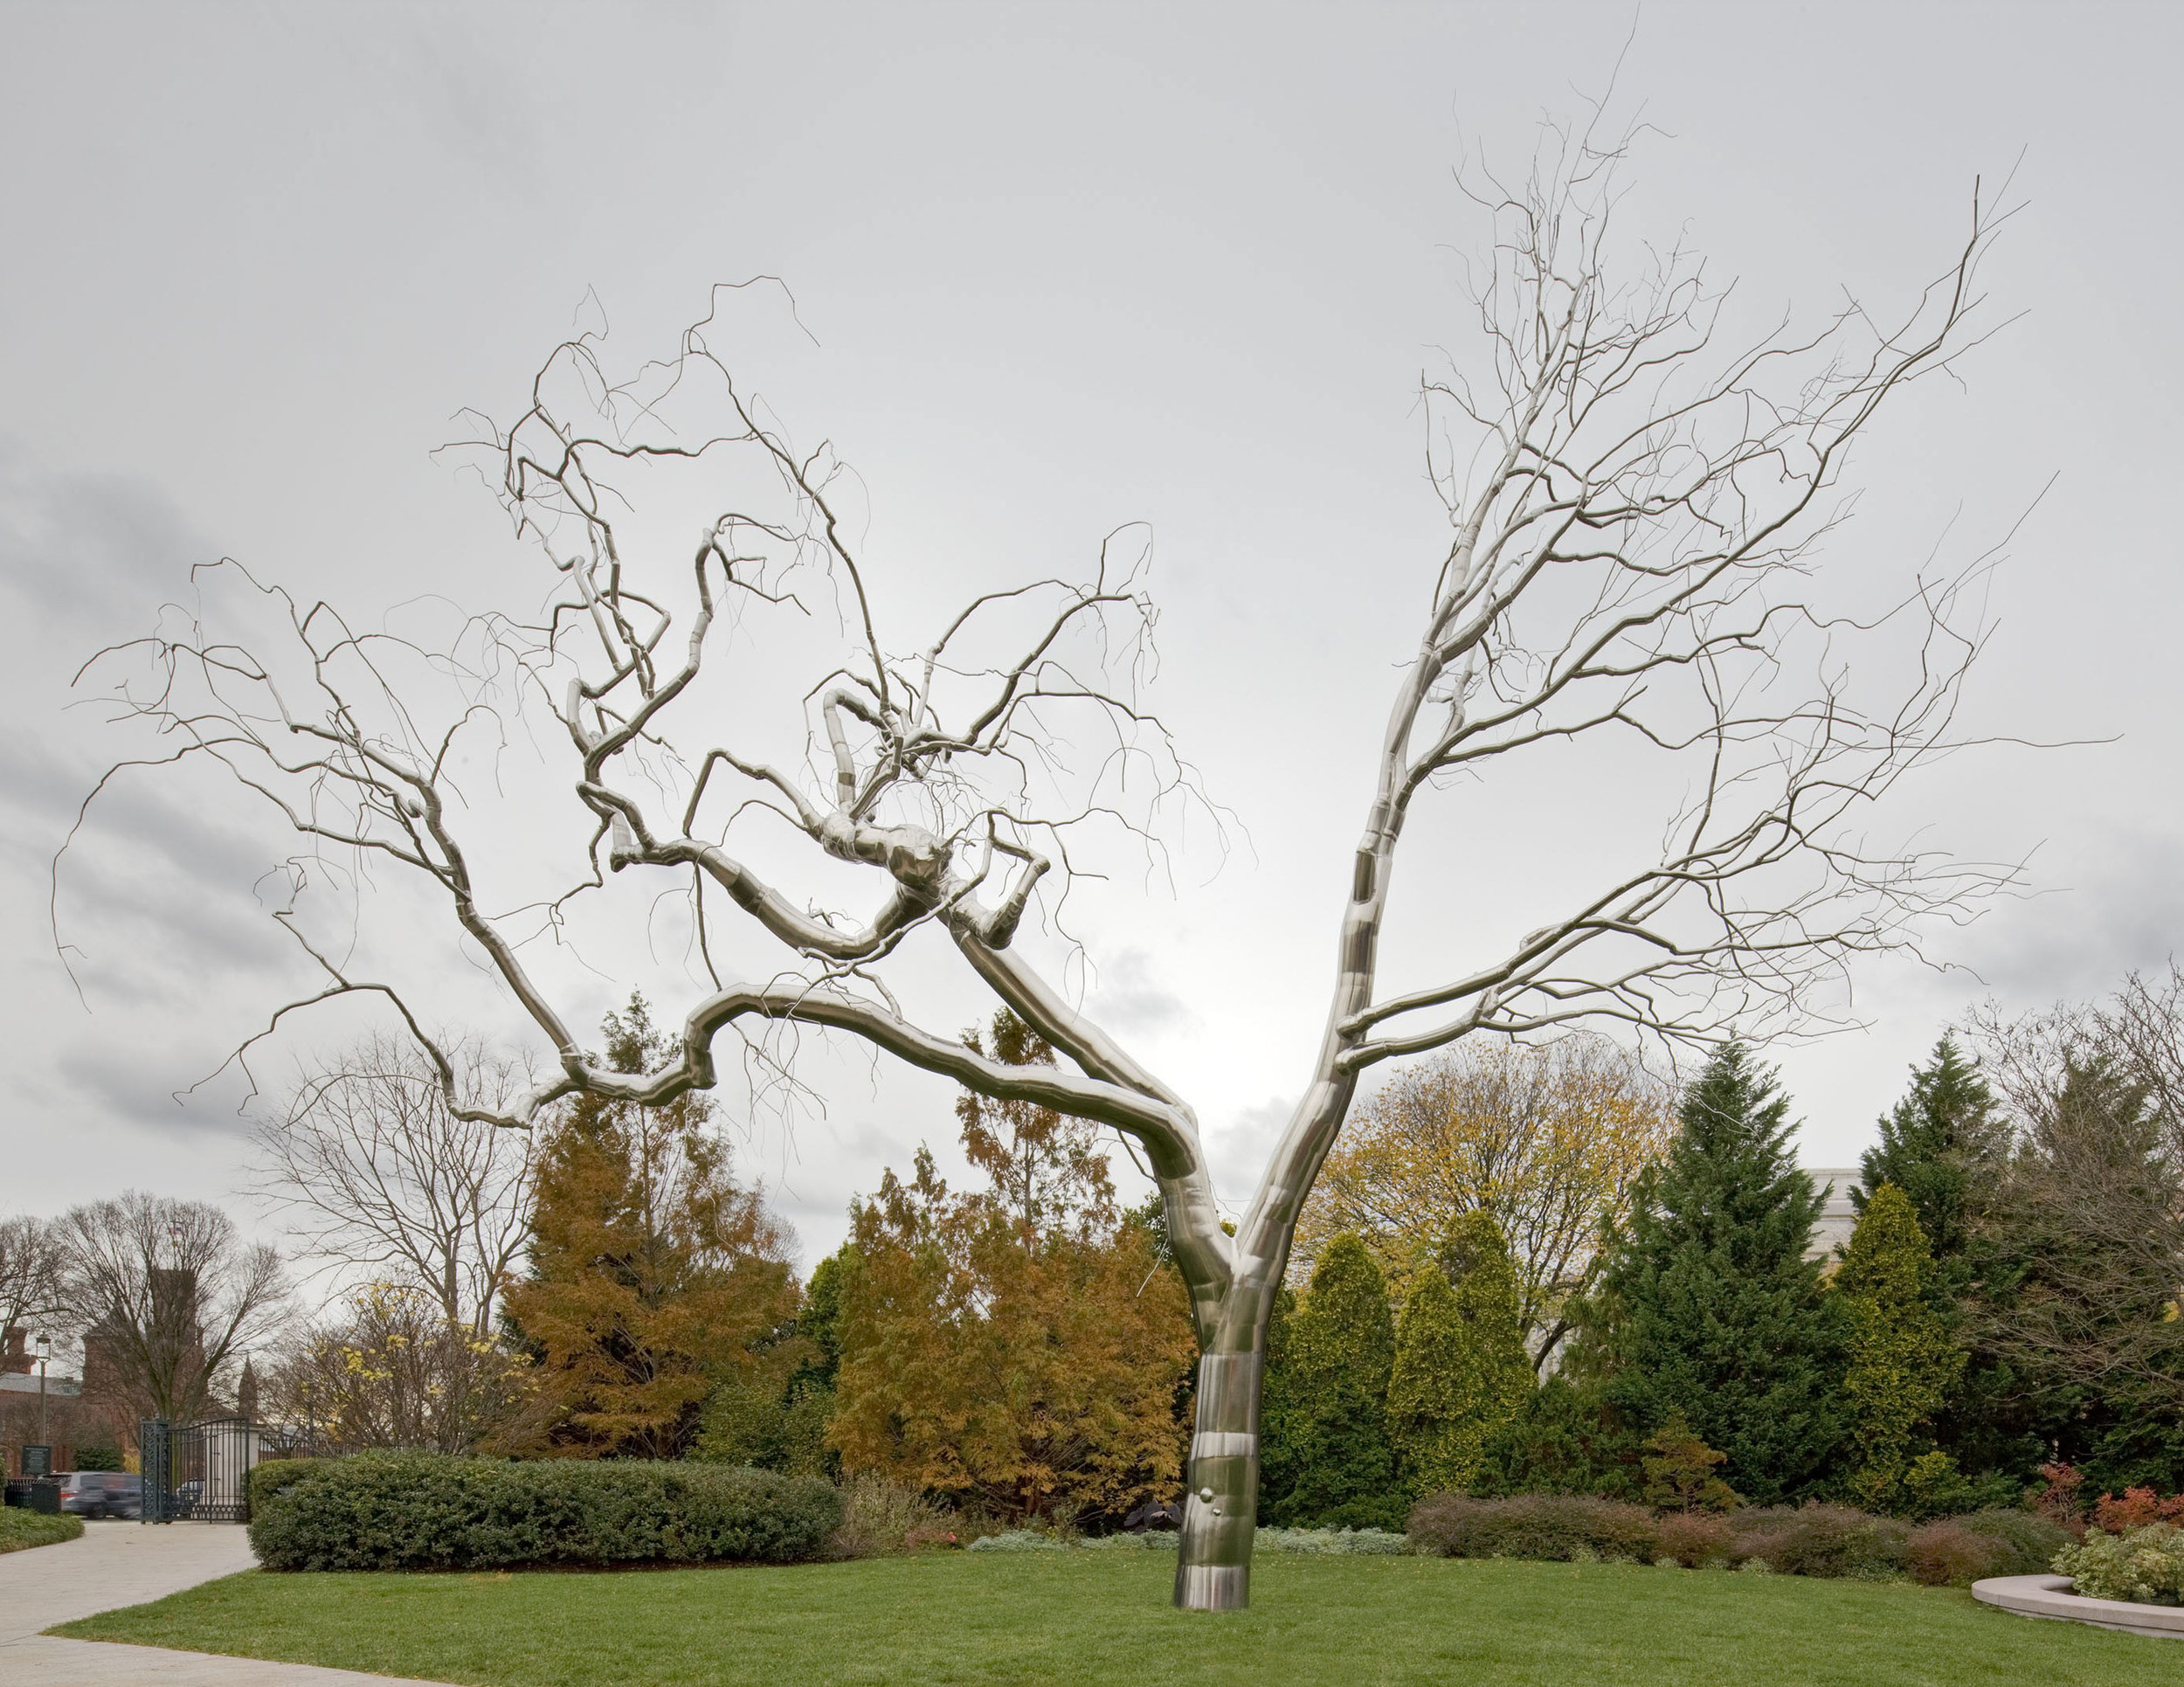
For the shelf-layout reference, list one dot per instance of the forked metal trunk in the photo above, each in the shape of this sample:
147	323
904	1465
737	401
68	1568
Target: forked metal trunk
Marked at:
1220	1509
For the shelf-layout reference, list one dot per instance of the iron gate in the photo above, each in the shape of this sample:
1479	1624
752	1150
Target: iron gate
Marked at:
199	1472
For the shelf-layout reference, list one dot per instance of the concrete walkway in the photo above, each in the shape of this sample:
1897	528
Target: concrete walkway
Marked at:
118	1564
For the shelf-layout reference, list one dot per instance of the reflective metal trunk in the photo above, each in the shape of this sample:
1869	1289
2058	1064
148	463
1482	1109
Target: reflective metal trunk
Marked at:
1220	1511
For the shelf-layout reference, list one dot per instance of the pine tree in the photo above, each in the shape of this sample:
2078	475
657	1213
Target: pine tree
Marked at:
1941	1145
1902	1360
1330	1459
1459	1372
1708	1304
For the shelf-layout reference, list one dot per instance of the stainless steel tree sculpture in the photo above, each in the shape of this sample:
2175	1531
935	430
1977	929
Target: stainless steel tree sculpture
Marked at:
1633	512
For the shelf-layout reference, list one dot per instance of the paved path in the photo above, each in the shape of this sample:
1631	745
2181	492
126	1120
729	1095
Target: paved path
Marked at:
118	1564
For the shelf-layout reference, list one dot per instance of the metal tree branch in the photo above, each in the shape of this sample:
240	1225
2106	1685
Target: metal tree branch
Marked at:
1636	526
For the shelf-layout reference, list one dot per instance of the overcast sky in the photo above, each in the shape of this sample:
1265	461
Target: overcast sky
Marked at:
1067	266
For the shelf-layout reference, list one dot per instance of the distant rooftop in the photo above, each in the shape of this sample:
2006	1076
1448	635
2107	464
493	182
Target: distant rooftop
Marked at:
56	1385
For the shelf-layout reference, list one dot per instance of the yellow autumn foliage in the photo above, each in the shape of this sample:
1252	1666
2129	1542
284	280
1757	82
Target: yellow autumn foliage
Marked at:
1550	1140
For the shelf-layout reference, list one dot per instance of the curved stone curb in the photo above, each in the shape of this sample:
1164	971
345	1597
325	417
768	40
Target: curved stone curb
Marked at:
2050	1596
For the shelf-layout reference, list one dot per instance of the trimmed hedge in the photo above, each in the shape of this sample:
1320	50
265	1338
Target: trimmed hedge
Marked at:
429	1511
268	1476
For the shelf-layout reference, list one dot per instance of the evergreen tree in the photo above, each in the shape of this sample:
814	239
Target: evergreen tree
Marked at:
1945	1145
819	1322
1902	1360
1708	1302
1328	1458
1941	1145
1459	1372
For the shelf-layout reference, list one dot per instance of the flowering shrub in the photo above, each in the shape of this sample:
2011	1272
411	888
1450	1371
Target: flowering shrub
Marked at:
2145	1564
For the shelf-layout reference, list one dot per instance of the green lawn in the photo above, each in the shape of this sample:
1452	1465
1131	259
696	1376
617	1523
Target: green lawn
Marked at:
1082	1618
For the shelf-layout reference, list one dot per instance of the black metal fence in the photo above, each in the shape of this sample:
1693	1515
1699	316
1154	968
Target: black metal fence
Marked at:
198	1472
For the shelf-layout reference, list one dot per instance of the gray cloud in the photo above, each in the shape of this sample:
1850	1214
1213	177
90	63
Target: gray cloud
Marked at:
1131	997
1193	287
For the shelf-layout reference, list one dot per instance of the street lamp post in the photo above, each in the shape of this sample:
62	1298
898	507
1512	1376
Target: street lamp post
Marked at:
45	1353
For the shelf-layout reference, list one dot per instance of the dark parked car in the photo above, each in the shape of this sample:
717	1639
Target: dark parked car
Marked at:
102	1493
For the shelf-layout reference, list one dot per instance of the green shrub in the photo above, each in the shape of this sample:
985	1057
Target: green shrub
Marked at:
426	1511
1563	1526
20	1529
2033	1540
2144	1565
1933	1487
1822	1541
100	1455
269	1476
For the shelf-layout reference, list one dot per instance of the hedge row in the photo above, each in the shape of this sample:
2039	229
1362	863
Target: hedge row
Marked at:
1811	1540
426	1511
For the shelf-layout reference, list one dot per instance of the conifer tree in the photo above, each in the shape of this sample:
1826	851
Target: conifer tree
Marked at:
654	1278
1020	1343
1330	1459
1461	1372
1941	1145
1708	1304
1902	1360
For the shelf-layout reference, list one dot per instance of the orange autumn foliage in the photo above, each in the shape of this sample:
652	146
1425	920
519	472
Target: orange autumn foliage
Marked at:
653	1275
1021	1345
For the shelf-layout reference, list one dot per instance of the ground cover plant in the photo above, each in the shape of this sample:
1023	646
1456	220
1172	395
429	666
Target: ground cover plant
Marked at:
20	1529
1067	1618
429	1511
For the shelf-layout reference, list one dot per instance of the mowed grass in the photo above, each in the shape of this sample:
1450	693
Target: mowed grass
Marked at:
1085	1618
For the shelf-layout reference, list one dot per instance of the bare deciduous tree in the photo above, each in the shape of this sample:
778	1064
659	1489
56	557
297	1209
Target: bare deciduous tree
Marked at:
2086	1212
385	1180
167	1295
390	1370
1635	516
30	1282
